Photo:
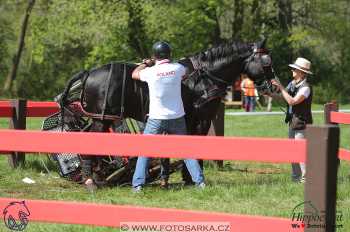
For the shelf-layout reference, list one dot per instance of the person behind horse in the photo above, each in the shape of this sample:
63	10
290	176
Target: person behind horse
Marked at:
166	111
248	89
298	95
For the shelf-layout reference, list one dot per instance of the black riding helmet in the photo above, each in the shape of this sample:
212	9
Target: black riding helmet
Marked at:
161	50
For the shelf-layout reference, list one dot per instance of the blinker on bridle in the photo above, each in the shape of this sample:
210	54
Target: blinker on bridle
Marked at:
266	64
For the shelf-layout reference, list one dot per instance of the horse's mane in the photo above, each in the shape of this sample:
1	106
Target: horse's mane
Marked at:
222	54
106	67
103	67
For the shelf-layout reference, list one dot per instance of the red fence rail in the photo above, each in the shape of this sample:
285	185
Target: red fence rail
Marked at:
198	147
339	117
167	146
34	109
17	111
332	116
113	215
344	154
321	160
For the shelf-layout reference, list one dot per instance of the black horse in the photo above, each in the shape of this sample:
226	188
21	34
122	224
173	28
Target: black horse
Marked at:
108	93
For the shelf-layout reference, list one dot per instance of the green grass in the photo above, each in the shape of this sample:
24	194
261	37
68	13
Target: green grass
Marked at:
241	187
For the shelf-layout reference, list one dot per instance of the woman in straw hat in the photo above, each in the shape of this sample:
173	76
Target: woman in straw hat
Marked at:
298	95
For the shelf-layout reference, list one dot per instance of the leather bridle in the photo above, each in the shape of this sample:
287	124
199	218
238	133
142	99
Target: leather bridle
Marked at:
266	68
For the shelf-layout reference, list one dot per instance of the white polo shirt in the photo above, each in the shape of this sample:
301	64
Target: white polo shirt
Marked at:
164	84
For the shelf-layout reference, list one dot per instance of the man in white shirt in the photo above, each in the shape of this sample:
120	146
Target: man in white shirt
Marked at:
298	95
166	111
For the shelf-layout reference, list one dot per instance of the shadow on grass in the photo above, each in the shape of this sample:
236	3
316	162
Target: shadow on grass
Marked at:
263	170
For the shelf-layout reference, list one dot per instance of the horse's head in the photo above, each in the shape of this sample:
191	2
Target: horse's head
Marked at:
258	66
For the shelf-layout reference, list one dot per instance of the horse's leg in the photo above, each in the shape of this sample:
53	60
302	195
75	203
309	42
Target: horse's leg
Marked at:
86	164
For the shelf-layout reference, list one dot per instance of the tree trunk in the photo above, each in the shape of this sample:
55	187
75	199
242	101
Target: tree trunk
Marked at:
212	13
137	37
285	19
16	58
257	20
238	19
285	15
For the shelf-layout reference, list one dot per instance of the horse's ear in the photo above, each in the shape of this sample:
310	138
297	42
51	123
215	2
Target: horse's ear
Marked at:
262	43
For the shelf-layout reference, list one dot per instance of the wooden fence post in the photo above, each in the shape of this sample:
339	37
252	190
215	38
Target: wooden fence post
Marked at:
18	121
217	127
321	177
328	107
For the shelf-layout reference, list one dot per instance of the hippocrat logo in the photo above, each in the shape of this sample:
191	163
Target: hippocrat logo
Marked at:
15	216
312	218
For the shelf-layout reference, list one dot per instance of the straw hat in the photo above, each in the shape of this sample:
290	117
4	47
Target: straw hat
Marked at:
302	64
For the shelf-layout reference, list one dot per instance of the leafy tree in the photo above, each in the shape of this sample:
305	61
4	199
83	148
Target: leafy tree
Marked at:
17	57
67	36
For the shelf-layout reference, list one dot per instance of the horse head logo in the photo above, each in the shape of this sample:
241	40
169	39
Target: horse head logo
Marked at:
15	216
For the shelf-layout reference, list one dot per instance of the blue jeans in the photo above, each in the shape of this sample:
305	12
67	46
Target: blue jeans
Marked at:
249	103
169	126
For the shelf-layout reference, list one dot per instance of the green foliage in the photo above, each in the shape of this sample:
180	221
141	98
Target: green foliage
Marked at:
190	23
3	48
7	36
67	36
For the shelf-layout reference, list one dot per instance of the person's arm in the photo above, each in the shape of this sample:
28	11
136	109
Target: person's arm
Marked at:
136	73
289	99
276	96
292	100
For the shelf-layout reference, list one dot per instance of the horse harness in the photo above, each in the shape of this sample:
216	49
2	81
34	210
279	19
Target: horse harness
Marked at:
207	89
103	115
